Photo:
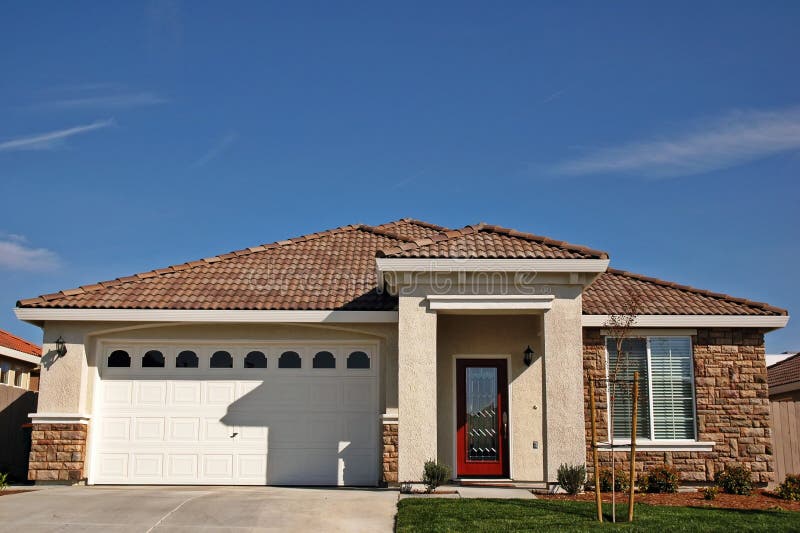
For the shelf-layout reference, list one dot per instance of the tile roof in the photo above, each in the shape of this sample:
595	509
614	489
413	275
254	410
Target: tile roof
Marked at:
17	343
483	241
335	270
784	372
661	297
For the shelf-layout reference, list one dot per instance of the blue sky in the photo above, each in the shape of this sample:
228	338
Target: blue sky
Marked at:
138	135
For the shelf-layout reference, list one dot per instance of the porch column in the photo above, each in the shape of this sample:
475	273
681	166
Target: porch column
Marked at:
565	438
416	387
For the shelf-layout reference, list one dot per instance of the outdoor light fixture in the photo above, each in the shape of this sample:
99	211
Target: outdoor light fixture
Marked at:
61	347
528	356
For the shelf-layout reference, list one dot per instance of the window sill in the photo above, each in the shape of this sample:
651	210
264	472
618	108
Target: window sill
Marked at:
622	445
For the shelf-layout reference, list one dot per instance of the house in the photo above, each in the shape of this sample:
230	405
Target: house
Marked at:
352	356
19	362
784	400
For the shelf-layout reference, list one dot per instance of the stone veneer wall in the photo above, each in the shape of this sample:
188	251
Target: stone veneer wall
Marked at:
58	452
389	467
731	399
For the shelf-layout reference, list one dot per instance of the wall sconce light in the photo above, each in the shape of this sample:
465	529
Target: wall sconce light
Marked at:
61	347
528	355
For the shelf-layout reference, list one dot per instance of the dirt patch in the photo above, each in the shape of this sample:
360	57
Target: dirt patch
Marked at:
760	500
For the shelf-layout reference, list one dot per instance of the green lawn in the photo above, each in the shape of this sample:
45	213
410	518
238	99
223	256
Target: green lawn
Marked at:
439	514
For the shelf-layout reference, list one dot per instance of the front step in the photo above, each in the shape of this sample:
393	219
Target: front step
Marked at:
502	483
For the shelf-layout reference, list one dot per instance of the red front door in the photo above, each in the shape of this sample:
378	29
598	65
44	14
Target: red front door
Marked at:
482	395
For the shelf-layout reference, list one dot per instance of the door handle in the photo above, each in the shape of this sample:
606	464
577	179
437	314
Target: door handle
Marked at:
505	425
234	434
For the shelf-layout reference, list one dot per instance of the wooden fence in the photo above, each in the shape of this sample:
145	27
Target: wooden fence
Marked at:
786	434
15	439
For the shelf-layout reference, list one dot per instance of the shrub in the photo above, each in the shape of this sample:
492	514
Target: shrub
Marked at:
659	479
3	480
621	481
571	478
734	480
434	474
790	488
710	493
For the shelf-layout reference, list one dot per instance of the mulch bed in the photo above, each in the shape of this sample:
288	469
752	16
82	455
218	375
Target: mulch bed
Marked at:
759	500
10	492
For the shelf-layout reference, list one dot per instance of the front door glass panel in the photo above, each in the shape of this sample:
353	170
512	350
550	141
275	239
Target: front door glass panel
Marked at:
482	416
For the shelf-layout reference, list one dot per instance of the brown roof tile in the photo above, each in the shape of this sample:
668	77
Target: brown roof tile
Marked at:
335	269
10	340
659	297
784	372
483	241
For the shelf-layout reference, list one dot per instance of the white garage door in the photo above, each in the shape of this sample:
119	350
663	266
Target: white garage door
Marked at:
240	415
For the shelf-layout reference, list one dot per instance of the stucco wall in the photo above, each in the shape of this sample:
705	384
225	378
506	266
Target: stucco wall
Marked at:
506	336
417	380
563	383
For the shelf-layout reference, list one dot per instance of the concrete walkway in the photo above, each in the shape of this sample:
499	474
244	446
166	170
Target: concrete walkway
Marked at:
211	509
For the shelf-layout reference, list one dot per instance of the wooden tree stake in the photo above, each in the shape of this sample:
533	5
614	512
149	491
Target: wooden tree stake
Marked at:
595	457
633	445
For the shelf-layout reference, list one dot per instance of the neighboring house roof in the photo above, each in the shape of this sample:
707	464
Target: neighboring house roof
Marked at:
8	340
659	297
784	372
483	241
335	270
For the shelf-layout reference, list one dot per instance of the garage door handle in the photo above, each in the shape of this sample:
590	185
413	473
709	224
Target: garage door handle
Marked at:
234	434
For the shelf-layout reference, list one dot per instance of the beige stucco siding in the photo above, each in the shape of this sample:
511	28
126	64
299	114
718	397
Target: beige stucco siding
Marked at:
505	336
563	385
417	383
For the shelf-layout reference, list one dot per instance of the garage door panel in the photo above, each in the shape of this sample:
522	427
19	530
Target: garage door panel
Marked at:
220	392
184	429
217	466
149	466
118	393
234	426
185	393
182	466
150	393
116	429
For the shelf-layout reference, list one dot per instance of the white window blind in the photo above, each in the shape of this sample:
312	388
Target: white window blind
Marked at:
633	358
666	387
671	385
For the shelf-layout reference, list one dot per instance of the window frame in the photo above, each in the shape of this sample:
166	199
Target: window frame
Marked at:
652	439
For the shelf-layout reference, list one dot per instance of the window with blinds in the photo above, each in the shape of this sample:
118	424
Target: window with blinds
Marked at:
666	389
632	358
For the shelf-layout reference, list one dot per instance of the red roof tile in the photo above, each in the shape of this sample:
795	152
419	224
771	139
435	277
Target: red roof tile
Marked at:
661	297
483	241
335	269
784	372
16	343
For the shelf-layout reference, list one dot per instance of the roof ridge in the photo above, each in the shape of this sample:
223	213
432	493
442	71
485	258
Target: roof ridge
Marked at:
201	262
695	290
483	226
35	347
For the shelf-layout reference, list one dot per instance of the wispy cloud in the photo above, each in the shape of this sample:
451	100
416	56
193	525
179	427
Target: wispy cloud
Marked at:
554	96
105	101
16	255
712	144
223	144
51	139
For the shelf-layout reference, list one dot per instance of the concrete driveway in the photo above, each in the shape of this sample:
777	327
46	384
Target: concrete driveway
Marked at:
184	509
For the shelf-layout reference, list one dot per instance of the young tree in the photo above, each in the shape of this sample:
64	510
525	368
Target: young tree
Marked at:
619	328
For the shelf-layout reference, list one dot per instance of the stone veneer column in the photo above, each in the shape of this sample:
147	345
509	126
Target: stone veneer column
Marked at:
416	387
58	452
389	463
563	377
